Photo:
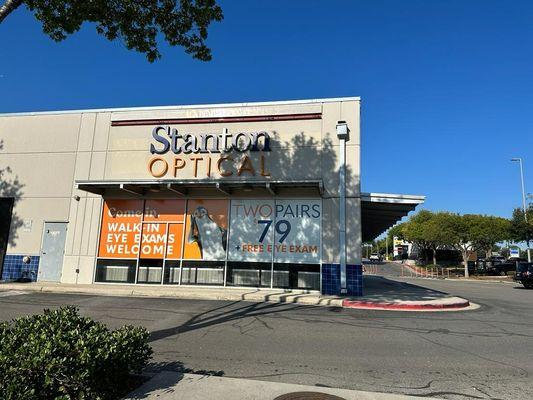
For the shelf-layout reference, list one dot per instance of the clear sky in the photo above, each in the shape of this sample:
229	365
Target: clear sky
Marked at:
447	86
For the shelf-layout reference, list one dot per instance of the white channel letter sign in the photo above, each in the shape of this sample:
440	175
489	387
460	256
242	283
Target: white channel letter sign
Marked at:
170	139
289	228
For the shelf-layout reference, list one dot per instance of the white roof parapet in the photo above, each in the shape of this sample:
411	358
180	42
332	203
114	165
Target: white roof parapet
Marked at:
185	107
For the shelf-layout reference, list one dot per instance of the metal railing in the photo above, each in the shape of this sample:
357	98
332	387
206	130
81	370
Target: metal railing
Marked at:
414	271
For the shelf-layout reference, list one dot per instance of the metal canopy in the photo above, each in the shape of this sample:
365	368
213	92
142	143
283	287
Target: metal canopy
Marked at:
183	187
380	211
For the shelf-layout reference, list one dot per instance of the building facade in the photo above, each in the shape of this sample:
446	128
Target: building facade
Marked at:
224	195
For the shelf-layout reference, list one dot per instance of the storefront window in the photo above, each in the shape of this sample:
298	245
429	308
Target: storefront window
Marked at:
152	252
251	242
150	271
115	271
249	274
172	272
202	273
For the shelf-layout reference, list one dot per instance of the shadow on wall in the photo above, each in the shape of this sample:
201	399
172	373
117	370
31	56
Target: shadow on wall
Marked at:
304	157
10	187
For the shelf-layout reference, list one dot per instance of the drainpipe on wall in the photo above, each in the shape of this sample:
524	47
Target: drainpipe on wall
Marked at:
342	134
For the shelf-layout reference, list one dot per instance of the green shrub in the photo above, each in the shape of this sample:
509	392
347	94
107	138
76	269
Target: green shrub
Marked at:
62	355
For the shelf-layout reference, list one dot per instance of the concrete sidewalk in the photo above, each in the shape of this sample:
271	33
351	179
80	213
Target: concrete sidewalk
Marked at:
390	294
183	292
379	293
177	386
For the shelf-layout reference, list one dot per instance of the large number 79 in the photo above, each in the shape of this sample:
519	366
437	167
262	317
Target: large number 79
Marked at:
282	227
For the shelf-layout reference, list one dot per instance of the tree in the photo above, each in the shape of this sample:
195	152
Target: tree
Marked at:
381	246
414	231
459	227
137	23
491	230
465	233
470	233
397	231
520	230
429	231
436	232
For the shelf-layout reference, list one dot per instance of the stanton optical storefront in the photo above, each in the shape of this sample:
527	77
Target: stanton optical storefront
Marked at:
215	195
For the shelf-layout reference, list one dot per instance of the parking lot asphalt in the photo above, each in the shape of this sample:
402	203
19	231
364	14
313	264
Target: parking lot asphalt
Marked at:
481	354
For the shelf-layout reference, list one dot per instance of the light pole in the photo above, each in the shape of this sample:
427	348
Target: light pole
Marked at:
387	247
342	135
519	160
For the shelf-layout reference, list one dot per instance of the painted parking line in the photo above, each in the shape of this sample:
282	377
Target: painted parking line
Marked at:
12	293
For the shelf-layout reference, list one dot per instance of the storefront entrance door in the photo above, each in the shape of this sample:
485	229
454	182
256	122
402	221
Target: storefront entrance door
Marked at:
52	251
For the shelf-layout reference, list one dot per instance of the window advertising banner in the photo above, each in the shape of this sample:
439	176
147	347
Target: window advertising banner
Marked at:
297	231
286	231
175	241
121	228
165	210
153	240
251	235
125	235
206	230
155	235
289	228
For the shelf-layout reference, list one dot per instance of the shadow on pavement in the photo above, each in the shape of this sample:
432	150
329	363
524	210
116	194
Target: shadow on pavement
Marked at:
378	288
156	384
165	383
177	366
225	313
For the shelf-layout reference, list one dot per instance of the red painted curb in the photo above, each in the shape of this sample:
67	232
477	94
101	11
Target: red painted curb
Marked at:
400	306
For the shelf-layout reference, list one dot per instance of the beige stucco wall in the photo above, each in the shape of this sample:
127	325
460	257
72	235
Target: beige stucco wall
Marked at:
47	153
40	152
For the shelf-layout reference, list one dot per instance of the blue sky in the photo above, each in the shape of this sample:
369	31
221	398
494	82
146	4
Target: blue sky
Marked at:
447	86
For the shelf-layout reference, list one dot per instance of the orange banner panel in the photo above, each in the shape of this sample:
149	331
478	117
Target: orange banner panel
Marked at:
206	230
174	241
121	229
153	240
165	210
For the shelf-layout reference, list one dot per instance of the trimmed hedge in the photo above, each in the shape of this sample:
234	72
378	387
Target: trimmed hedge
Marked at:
62	355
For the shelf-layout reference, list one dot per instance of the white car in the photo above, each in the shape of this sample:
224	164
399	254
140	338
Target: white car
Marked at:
375	257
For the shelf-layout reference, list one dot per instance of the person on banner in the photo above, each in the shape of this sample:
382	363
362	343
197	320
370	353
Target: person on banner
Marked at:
210	238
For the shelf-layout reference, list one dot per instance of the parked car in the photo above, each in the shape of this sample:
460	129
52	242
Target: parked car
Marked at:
501	268
524	274
517	259
494	266
375	257
496	259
